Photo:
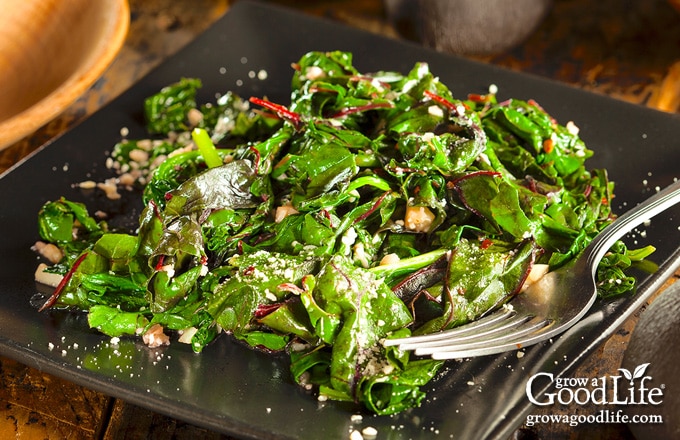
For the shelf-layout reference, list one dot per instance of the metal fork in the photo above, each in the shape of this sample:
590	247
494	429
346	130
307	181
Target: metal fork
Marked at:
547	307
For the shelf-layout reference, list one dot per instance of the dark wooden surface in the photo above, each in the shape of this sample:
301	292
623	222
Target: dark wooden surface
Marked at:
626	49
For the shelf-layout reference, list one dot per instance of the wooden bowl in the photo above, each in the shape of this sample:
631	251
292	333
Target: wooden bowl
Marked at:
51	52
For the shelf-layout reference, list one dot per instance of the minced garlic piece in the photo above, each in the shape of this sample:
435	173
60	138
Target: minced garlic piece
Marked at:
87	184
49	251
110	188
536	273
187	334
154	336
139	156
284	211
389	259
195	117
47	278
418	218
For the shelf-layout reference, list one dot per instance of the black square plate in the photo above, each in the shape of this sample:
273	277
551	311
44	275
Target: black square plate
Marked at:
235	390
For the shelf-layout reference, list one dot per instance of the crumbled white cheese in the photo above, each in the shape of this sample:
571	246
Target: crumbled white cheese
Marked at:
428	136
314	72
356	435
270	295
169	269
369	432
349	237
360	255
572	128
434	110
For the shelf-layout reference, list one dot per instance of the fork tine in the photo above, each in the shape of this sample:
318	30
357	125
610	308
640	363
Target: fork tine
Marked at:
489	333
491	344
502	327
471	329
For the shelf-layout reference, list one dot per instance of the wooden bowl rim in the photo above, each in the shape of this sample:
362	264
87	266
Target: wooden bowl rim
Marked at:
26	122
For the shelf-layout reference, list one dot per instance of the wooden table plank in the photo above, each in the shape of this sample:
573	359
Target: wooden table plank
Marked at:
37	405
131	422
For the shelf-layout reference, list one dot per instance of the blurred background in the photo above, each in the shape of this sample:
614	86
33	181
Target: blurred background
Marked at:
627	49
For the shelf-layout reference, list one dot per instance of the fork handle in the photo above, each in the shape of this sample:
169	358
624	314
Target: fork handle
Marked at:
626	222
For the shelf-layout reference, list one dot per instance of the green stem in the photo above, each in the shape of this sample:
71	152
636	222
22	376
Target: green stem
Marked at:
369	180
206	147
408	265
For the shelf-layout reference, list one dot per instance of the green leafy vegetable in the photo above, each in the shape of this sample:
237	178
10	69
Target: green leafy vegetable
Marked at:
372	206
168	110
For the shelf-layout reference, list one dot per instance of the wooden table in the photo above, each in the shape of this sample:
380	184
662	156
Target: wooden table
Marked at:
627	50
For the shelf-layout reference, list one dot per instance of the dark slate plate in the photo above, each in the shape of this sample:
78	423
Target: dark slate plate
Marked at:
234	390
